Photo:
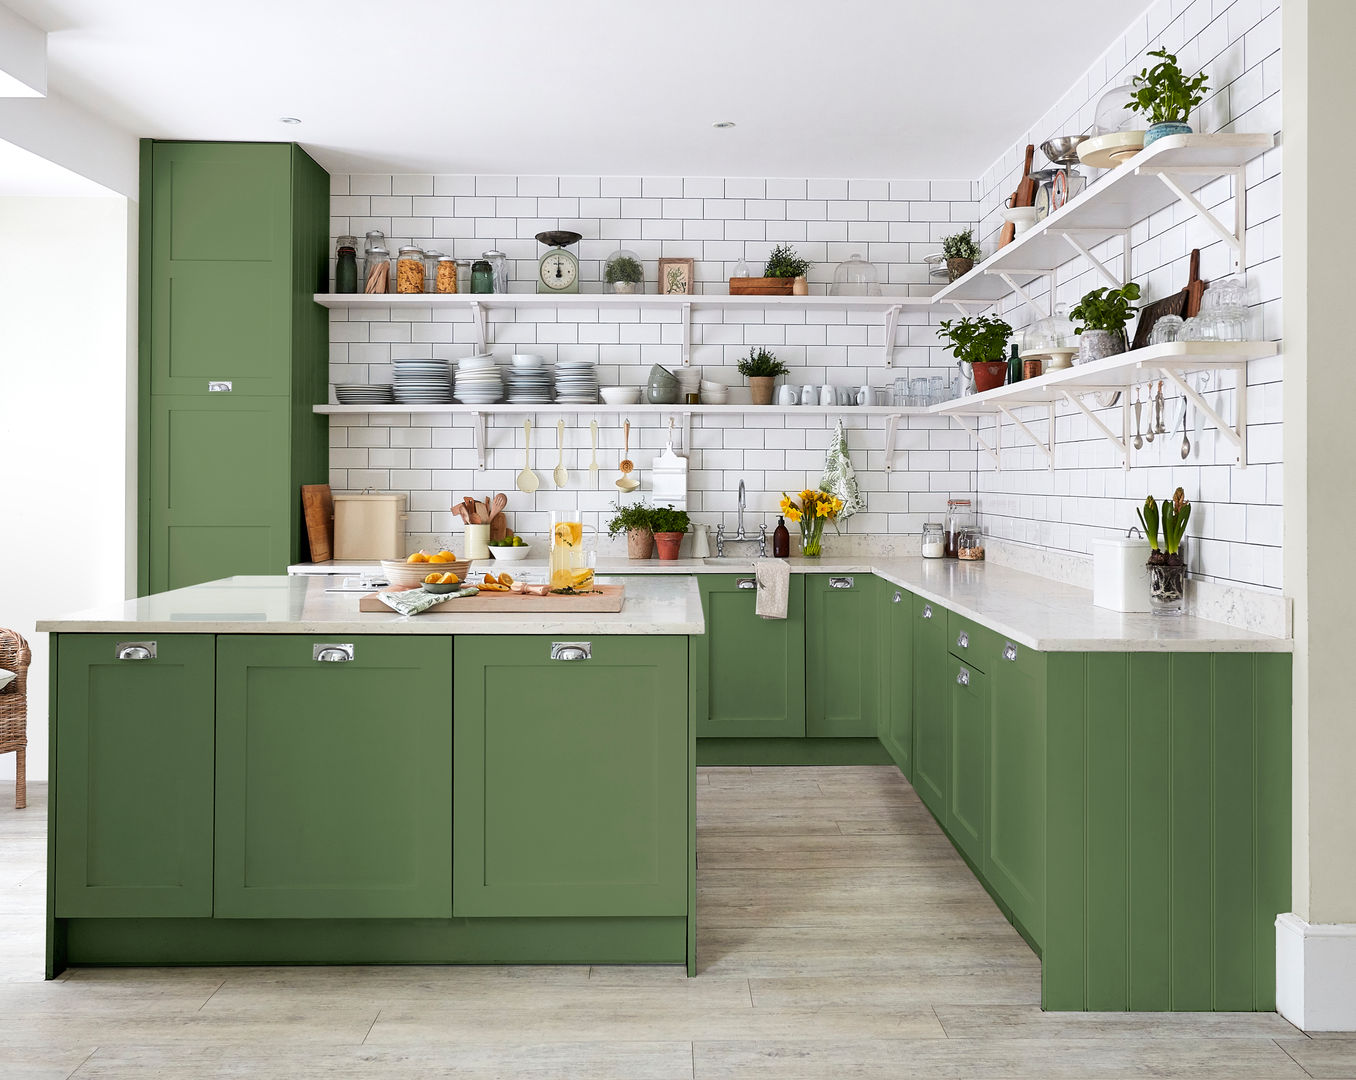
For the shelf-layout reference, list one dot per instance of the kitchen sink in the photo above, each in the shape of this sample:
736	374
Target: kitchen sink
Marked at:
746	560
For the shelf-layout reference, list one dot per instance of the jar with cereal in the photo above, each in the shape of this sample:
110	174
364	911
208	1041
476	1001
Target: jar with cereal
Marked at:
445	277
410	270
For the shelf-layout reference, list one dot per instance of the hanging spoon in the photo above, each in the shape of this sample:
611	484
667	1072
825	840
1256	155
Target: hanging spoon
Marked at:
1139	406
1186	443
1149	431
593	465
527	479
560	475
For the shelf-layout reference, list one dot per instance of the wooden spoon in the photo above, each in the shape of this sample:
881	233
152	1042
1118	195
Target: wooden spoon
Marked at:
560	475
497	505
527	479
625	482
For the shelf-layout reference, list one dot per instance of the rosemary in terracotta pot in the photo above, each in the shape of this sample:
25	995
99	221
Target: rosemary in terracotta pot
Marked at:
761	368
961	252
634	520
1167	565
669	525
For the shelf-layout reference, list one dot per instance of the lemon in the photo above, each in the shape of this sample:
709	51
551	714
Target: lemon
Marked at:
568	533
417	557
447	556
504	579
433	579
438	559
581	577
449	578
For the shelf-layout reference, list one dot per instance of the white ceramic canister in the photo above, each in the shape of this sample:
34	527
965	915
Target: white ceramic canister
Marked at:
475	542
1119	580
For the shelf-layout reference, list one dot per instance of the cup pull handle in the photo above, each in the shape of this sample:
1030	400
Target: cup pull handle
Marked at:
840	583
963	677
927	611
963	640
898	598
746	583
135	650
333	653
571	650
1009	651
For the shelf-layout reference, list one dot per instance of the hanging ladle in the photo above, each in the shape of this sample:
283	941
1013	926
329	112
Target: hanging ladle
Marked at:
625	481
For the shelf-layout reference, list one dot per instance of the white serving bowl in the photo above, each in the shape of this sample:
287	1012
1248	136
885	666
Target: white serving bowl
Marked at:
476	363
399	572
527	360
511	554
714	397
713	387
621	395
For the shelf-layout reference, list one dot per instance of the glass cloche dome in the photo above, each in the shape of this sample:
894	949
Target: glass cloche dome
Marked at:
624	272
855	277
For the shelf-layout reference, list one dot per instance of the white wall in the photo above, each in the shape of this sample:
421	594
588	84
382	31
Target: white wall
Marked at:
66	403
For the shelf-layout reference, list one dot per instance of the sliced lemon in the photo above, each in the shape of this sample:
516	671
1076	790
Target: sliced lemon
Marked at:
569	533
450	578
504	579
433	579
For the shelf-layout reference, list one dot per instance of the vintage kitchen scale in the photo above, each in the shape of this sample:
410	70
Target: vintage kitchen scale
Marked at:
1062	182
558	269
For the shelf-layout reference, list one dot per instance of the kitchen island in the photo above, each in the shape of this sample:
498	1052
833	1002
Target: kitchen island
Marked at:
250	771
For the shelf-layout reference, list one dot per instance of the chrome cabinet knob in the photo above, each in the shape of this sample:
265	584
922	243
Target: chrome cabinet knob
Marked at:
927	611
1009	651
333	653
963	640
898	598
963	677
571	650
135	650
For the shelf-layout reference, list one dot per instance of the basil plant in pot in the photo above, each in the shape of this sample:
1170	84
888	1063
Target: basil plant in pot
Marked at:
1104	314
669	525
961	253
761	368
1166	97
634	520
982	343
1167	565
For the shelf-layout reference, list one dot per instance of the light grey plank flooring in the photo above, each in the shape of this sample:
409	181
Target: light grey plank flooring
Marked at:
841	936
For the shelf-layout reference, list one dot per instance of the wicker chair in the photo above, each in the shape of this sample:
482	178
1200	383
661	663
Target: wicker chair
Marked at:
15	657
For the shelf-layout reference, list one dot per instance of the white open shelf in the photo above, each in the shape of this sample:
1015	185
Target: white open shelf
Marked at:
869	304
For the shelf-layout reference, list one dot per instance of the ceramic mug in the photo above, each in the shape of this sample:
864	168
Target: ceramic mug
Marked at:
826	395
864	395
807	394
786	395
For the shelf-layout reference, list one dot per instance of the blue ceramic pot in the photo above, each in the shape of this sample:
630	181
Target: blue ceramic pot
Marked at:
1157	131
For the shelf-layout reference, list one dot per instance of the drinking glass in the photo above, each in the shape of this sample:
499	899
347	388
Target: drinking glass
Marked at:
901	392
936	390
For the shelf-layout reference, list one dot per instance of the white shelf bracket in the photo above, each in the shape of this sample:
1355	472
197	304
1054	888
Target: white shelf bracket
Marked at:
480	316
891	437
1048	449
1233	237
974	433
686	417
1026	298
687	334
1112	280
891	325
480	433
1118	443
1238	435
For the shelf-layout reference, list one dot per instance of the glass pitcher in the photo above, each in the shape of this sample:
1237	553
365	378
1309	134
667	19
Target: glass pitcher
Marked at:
573	557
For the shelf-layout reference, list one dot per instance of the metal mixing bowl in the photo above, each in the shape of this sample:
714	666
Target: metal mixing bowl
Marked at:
1063	149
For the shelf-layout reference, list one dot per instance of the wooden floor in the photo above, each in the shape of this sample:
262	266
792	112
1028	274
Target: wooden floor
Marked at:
840	937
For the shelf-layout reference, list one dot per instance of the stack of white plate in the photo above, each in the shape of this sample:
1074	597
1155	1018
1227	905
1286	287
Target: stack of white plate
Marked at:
422	382
479	381
576	382
529	381
364	393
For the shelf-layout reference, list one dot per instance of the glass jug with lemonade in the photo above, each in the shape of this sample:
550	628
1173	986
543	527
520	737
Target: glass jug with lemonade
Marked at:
572	558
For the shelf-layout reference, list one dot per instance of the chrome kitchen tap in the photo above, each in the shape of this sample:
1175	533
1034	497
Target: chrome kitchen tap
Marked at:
739	536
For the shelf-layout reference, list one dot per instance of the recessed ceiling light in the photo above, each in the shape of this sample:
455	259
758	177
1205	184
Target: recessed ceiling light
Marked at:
723	124
288	120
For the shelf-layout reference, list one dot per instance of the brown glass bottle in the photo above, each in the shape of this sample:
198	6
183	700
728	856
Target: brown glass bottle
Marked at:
781	541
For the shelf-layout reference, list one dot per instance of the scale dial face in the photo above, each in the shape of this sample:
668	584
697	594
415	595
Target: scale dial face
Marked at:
558	270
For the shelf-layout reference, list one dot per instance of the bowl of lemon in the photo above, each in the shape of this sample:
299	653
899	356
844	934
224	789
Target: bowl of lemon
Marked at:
510	549
413	569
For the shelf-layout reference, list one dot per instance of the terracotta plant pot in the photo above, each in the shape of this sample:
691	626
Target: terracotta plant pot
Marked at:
668	544
639	543
989	375
958	268
761	387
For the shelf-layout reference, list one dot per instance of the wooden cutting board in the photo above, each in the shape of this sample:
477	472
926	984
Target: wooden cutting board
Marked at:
317	505
1195	287
603	598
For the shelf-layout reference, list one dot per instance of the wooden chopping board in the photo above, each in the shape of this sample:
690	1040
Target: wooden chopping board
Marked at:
1195	287
603	598
317	506
1025	195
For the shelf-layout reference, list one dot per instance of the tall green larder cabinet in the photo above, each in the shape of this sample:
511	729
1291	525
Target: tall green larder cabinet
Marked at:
233	355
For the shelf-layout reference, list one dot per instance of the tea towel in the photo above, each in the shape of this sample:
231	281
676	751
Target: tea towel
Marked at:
414	601
840	479
773	578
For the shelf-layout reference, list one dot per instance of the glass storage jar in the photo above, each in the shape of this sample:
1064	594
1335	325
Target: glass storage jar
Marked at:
445	275
970	544
431	258
934	540
346	265
464	275
378	270
499	266
482	277
958	517
410	270
855	277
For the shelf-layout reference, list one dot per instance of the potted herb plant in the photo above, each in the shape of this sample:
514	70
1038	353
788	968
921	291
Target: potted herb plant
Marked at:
624	273
669	525
783	269
1104	314
1167	565
761	368
1166	97
634	520
982	343
961	252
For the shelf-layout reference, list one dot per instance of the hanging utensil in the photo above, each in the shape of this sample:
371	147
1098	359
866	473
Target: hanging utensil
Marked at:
1186	443
626	483
560	475
1158	408
593	465
1139	405
1149	431
527	479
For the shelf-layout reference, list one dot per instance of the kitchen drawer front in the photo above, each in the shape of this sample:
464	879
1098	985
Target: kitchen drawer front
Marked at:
334	776
571	792
967	641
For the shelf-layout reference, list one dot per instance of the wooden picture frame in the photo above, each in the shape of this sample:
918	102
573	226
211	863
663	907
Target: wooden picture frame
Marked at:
676	277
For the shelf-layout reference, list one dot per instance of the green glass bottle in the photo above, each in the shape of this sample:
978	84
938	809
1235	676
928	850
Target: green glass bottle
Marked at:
1014	366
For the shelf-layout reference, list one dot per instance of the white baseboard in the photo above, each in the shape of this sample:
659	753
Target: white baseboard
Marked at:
1316	973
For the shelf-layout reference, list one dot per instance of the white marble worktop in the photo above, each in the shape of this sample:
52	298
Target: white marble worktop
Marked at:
1034	611
303	605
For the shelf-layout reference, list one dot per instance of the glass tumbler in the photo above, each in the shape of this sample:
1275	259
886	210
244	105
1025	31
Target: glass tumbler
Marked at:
901	392
936	389
918	391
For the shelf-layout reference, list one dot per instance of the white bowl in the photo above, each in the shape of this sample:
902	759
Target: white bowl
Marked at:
621	395
511	554
715	387
476	363
714	399
527	360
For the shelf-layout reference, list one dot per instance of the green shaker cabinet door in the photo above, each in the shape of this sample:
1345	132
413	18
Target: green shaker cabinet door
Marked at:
896	676
966	805
841	648
334	779
571	794
749	671
133	810
1014	860
931	706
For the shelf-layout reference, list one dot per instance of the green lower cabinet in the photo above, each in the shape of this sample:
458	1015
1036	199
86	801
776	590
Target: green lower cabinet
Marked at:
967	795
132	813
748	671
841	650
572	777
333	777
895	660
931	707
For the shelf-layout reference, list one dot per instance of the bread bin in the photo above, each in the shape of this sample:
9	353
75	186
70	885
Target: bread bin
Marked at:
369	526
1119	580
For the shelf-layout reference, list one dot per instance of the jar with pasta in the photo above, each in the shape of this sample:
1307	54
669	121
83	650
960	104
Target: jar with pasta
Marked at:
378	270
410	270
445	277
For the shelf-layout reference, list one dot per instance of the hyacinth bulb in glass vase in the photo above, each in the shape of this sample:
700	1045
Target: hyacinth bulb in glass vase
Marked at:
1167	565
813	510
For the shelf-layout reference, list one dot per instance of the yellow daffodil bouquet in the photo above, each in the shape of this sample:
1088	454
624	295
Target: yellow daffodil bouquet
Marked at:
814	508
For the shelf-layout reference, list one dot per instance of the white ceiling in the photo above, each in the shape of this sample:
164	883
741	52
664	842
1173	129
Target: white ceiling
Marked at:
23	173
862	88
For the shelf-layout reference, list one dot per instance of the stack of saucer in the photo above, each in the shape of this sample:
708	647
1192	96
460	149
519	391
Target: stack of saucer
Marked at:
479	381
576	382
422	382
529	381
364	394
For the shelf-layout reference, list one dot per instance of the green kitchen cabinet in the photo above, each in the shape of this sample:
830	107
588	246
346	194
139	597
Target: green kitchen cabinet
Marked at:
132	813
895	660
931	706
333	777
749	672
1014	845
967	790
842	694
571	793
234	354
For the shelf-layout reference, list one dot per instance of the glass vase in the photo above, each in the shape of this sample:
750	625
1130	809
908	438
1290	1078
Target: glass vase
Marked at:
812	538
1167	589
